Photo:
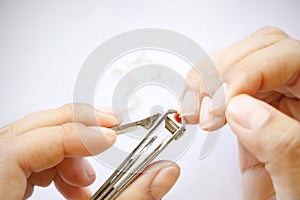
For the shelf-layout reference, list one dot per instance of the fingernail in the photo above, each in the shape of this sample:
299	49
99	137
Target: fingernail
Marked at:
96	139
104	109
189	104
164	181
207	120
205	117
217	104
247	112
109	134
118	113
88	169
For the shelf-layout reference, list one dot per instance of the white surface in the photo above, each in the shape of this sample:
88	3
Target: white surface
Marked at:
44	43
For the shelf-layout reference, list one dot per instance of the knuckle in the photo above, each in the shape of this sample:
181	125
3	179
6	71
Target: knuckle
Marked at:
68	134
291	51
271	30
85	105
67	109
65	113
293	43
287	149
68	129
293	144
11	128
194	78
70	139
8	150
72	112
271	34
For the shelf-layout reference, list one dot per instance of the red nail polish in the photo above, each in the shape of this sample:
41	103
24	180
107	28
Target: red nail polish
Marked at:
177	117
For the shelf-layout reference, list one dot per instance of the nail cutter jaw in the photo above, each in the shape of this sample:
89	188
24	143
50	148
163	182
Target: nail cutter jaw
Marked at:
146	123
108	190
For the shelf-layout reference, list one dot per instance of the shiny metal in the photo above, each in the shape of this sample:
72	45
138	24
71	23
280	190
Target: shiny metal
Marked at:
146	123
136	161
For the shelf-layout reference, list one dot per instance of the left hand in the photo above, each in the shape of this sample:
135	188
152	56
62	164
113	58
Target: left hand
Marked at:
49	145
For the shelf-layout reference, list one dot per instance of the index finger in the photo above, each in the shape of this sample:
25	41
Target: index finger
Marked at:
274	68
46	147
69	113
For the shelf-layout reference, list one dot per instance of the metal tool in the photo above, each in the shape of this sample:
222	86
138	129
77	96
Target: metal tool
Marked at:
146	123
136	161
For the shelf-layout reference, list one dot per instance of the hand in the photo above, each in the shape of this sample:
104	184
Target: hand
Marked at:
266	66
48	146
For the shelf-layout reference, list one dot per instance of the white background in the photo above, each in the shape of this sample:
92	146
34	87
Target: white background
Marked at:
44	43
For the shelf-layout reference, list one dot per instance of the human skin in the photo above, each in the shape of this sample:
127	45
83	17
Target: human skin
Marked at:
50	145
261	83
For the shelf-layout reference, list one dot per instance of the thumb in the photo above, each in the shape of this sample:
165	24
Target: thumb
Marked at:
154	182
272	137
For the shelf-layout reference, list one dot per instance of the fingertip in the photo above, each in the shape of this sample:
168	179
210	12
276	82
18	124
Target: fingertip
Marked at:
89	170
76	172
189	103
110	134
205	117
109	117
155	181
192	119
250	117
164	180
216	105
69	191
98	139
207	120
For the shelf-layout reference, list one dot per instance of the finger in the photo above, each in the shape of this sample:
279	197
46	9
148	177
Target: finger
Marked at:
195	89
262	38
154	183
76	172
224	59
264	70
290	107
12	177
29	190
256	181
43	178
268	69
44	148
70	113
69	191
272	137
201	82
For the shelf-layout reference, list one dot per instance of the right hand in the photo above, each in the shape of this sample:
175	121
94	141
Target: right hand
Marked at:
266	66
